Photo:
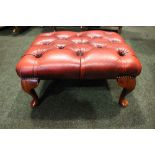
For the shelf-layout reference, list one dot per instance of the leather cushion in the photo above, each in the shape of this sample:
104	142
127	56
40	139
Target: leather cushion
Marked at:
74	55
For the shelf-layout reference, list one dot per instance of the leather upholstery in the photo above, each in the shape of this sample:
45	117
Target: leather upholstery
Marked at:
85	55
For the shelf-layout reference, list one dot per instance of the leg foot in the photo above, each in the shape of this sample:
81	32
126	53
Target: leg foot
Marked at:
128	84
28	86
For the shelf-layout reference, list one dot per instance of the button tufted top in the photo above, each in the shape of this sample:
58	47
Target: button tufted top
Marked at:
89	54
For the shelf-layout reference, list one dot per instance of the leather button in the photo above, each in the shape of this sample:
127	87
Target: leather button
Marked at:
38	55
122	52
79	53
61	47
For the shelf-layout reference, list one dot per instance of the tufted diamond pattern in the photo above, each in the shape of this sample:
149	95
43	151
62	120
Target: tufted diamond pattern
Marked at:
85	55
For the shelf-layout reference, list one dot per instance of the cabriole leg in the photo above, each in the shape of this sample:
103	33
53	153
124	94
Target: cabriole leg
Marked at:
128	84
28	86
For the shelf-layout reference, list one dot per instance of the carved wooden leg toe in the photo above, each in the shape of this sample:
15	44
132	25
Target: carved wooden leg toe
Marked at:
34	103
124	102
28	86
128	84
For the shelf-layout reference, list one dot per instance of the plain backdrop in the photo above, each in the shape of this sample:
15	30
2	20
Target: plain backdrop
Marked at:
77	13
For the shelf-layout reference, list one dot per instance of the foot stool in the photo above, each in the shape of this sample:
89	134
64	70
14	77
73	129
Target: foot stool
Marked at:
79	55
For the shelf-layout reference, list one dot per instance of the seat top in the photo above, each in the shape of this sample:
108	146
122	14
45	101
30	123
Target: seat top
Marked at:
88	54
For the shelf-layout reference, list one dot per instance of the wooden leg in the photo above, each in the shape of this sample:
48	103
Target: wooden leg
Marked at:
28	86
128	85
119	29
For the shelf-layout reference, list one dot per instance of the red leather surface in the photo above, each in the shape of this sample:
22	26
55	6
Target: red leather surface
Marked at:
86	55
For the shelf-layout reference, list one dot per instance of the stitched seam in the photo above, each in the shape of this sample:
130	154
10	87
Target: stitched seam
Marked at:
119	60
80	67
125	69
123	64
84	68
33	69
36	66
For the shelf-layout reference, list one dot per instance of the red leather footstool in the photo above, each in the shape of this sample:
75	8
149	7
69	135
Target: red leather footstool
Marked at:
79	55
